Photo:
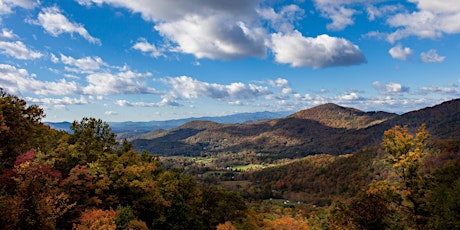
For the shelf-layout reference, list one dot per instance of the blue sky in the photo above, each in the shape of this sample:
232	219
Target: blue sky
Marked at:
142	60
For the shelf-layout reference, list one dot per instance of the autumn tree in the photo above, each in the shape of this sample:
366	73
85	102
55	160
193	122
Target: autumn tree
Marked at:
406	154
18	127
31	196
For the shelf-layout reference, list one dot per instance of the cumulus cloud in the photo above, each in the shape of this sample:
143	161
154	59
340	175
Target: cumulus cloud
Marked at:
80	65
188	87
431	56
7	34
123	82
144	46
203	28
16	49
19	50
453	90
401	53
214	37
320	52
164	102
7	6
432	20
303	97
390	88
348	97
16	81
58	102
55	23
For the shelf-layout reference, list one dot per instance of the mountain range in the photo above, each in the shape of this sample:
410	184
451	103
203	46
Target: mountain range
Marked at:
327	128
130	128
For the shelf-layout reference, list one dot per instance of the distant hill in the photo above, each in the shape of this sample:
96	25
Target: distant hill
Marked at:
64	126
131	129
328	129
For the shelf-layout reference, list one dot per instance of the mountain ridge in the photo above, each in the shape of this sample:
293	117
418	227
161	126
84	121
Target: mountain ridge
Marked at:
342	117
295	136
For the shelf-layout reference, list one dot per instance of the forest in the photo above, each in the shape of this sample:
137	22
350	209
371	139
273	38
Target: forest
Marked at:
88	179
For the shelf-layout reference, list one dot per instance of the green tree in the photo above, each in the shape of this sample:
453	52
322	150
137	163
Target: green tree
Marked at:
92	137
444	203
220	205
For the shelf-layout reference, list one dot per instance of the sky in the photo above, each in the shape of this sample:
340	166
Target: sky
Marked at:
143	60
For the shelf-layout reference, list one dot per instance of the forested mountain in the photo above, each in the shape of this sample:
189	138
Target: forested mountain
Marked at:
336	116
323	129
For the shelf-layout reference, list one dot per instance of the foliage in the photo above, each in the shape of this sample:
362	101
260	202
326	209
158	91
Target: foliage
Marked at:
97	219
444	204
406	154
19	128
87	180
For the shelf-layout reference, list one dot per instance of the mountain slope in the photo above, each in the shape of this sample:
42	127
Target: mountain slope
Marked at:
307	132
342	117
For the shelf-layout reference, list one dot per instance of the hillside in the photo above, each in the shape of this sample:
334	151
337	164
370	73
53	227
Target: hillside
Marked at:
324	129
341	117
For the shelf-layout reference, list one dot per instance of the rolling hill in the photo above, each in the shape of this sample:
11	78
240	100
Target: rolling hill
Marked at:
326	128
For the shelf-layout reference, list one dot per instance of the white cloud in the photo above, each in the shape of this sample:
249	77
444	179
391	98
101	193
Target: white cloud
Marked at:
164	102
203	28
374	12
80	65
158	10
123	82
188	87
16	49
110	113
55	23
283	20
433	19
6	6
237	103
340	12
390	88
19	50
453	90
144	46
398	52
303	97
438	6
7	34
17	81
58	102
348	97
320	52
283	84
432	56
214	37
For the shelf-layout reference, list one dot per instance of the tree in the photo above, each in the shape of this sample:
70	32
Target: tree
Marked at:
220	205
18	127
92	137
444	203
33	199
406	154
97	219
